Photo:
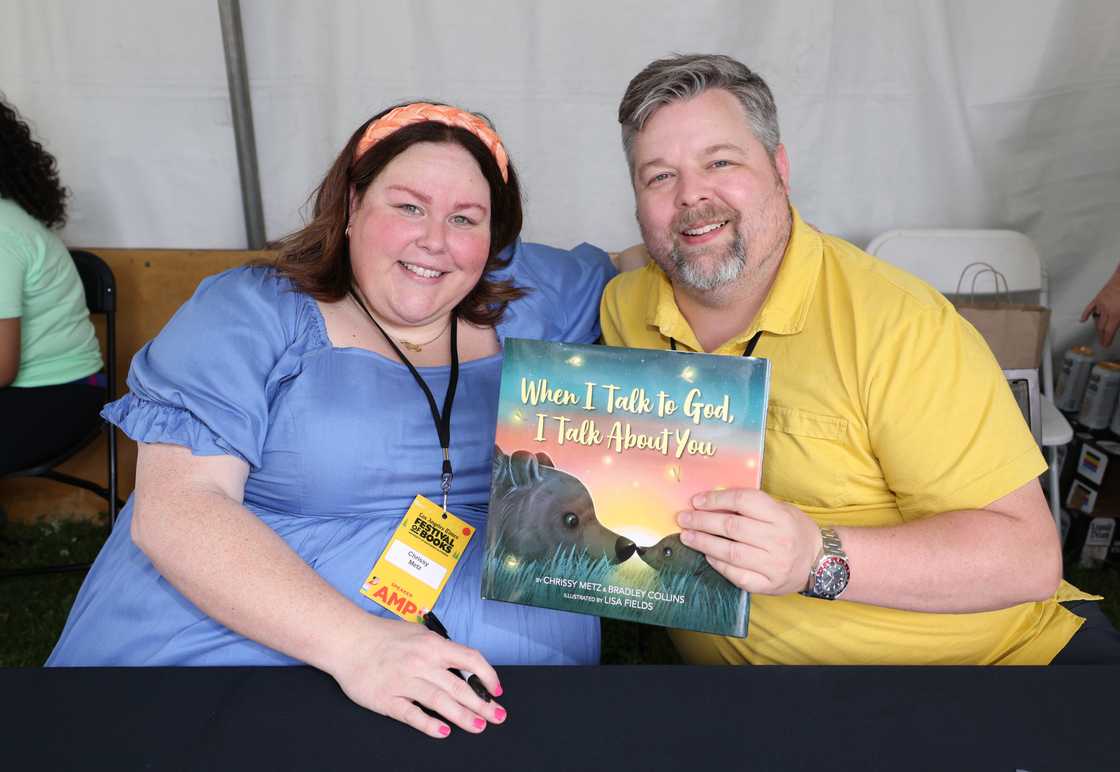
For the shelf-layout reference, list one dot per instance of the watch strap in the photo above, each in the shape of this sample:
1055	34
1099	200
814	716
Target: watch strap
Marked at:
831	552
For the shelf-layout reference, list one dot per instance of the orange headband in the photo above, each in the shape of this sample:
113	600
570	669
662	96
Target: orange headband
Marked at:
418	112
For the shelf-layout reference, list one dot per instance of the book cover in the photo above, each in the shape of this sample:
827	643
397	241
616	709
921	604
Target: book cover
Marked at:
597	449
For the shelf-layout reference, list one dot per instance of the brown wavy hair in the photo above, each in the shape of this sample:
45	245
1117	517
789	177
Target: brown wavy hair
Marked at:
316	258
28	173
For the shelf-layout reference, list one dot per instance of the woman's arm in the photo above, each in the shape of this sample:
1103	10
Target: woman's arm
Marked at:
9	350
189	520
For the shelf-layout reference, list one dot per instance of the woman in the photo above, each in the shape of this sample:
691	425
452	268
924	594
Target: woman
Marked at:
49	393
283	437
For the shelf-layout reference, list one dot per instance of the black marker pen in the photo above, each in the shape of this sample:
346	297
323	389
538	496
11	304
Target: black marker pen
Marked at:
431	621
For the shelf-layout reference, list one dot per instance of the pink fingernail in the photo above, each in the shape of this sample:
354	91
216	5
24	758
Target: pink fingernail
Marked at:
500	714
444	730
479	723
498	691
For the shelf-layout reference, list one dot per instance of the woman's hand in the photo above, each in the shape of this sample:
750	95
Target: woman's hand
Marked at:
394	667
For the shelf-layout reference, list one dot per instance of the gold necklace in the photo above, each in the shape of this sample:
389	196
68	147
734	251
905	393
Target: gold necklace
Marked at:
414	347
420	346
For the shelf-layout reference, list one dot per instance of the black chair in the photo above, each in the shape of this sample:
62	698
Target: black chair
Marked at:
101	298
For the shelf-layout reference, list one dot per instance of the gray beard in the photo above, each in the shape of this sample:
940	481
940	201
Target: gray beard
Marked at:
726	271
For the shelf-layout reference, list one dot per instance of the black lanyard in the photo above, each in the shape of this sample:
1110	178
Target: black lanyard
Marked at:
441	420
749	350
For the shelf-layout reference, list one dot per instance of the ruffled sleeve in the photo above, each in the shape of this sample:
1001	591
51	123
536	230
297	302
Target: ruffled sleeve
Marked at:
208	379
565	286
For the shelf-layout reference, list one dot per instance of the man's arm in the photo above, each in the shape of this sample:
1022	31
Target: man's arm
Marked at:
962	561
631	257
9	350
970	560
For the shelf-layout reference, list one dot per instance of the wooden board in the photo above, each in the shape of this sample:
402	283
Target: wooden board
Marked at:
151	285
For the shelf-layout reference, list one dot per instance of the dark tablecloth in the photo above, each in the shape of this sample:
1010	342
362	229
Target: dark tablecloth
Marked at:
772	718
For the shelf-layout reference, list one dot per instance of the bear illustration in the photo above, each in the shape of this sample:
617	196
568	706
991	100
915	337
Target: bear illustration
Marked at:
671	555
535	507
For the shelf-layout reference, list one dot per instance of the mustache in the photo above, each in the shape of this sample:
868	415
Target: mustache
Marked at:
707	213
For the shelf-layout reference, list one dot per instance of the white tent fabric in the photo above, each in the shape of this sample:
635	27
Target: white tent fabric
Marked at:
896	114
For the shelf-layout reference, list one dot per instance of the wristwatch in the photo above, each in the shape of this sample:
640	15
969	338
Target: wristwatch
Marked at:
828	576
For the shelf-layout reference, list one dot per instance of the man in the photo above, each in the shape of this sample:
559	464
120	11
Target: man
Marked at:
901	519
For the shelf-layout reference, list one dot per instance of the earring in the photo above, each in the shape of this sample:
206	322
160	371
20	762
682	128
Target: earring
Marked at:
347	230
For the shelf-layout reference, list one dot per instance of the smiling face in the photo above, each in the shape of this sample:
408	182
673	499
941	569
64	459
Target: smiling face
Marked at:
712	205
420	236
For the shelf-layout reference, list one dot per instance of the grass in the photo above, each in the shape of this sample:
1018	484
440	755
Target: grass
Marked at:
629	643
1100	581
33	609
666	598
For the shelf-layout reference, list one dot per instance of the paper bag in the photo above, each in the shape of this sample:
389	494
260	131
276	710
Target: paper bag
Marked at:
1015	332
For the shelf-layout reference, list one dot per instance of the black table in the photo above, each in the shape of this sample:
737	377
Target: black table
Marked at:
704	719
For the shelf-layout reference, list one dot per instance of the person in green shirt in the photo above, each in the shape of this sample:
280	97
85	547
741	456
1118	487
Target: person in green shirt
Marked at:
50	388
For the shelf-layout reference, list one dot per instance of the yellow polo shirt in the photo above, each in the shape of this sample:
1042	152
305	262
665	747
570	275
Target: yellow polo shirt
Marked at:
885	407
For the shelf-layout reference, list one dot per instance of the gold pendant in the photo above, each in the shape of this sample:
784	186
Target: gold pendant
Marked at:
410	346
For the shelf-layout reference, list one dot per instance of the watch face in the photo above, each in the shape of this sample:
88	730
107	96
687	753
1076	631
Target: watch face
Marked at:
832	578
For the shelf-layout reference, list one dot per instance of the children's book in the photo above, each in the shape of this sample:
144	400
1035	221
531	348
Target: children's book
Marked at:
597	450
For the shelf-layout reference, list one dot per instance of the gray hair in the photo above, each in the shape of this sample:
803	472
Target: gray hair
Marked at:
684	76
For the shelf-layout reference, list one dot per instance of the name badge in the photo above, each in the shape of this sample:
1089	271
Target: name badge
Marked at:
420	556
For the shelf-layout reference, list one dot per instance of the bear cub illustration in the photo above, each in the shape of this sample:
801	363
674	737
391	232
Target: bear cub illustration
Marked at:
671	555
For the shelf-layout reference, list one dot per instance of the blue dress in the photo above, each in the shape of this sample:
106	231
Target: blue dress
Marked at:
338	441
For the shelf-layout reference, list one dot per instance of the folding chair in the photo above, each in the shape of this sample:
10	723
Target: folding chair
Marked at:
101	297
940	255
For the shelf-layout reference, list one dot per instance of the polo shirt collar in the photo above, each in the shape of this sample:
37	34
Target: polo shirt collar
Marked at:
783	312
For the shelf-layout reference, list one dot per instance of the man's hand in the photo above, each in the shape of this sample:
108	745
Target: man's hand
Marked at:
758	543
1106	308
